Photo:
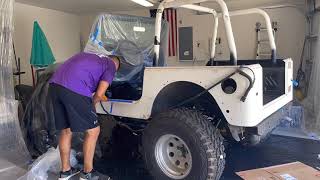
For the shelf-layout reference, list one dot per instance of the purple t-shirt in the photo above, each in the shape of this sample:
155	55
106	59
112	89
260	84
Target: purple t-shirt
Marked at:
83	72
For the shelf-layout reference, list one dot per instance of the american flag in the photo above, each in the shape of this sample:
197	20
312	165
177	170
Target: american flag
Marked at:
170	15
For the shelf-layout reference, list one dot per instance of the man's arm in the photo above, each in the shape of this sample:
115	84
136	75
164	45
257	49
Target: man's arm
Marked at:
101	91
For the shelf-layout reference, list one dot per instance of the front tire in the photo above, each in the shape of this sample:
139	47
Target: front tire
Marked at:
183	144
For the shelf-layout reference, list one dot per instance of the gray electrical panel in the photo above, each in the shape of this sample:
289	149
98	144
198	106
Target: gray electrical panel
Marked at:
185	44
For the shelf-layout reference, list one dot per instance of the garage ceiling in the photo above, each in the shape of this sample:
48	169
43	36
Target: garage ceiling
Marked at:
84	6
93	6
244	4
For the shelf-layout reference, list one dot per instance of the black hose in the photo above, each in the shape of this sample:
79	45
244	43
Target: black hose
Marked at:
122	124
203	92
243	98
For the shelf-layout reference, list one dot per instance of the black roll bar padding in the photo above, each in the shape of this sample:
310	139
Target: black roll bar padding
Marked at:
212	62
273	56
156	42
154	63
233	60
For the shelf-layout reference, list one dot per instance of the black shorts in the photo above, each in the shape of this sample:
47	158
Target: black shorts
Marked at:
72	110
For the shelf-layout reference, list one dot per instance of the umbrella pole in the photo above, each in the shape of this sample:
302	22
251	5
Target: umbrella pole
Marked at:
33	80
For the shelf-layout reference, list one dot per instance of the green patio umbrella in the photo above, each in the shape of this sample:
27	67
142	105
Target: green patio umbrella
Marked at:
41	54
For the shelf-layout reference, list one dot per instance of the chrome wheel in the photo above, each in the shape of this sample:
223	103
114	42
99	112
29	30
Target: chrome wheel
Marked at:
173	156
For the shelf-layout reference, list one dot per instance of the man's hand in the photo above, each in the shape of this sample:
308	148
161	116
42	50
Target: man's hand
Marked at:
104	98
100	93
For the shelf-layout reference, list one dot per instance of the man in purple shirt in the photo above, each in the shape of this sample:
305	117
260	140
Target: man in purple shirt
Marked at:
71	88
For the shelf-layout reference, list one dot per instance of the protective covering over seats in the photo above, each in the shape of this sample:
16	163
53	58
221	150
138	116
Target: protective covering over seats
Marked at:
131	38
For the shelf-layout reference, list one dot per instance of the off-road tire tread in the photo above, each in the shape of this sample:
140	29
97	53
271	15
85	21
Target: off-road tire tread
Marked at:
210	137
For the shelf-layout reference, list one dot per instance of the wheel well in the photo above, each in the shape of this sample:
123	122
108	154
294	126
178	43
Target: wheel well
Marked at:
177	92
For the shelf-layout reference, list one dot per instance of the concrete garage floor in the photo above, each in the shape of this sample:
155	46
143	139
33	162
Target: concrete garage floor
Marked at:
275	150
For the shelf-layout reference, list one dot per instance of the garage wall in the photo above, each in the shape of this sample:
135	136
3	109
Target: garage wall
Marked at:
289	38
317	3
316	19
61	29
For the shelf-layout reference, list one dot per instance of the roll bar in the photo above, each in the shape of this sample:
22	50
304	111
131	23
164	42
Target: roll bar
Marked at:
238	13
178	3
233	52
268	26
215	25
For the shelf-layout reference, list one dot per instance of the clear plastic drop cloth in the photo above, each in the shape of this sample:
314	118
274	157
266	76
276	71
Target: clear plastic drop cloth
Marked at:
13	152
312	101
132	39
47	164
38	123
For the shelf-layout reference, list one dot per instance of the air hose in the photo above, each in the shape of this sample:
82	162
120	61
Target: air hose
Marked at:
243	98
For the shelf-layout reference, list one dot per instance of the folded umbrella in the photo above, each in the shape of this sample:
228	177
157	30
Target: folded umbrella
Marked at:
41	54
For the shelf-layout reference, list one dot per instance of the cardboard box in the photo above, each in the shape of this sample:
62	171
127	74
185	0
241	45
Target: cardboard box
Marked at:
290	171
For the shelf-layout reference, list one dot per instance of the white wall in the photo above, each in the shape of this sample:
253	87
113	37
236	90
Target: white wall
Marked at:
289	38
317	3
61	29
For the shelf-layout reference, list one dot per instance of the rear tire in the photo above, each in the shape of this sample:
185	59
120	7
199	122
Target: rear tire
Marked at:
183	144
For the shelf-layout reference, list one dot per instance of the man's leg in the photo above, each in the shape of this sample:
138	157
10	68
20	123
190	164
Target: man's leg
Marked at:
89	146
65	148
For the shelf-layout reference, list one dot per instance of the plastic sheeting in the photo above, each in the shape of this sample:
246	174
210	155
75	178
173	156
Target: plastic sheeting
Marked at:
38	122
131	38
312	102
47	163
13	151
292	117
38	125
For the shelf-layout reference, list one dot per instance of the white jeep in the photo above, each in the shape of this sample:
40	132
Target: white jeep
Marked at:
190	109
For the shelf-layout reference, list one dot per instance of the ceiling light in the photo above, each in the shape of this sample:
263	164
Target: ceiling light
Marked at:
144	3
